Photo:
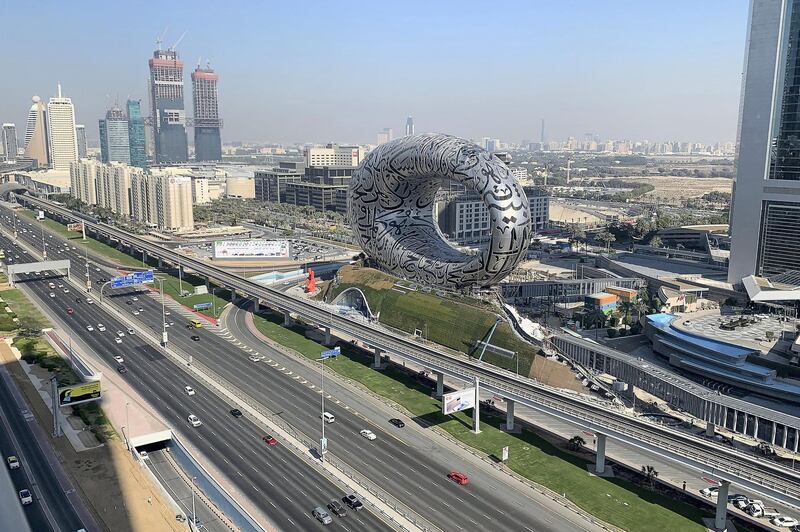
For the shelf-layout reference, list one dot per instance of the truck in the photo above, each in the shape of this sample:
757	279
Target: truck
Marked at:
40	215
757	509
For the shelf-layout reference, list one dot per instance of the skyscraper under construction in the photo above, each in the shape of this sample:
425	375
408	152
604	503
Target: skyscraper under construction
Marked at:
207	123
166	100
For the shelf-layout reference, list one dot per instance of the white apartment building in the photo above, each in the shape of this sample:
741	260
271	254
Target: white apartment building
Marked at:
63	141
83	180
143	199
200	192
173	202
333	155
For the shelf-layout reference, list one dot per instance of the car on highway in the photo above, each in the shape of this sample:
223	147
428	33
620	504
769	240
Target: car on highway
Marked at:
89	328
90	300
194	420
143	455
742	502
368	434
397	422
129	302
337	508
709	491
328	417
101	327
120	334
135	312
353	502
254	358
25	497
269	440
134	298
459	478
66	290
784	521
131	331
166	325
52	294
235	412
122	369
189	390
70	310
322	515
117	340
167	313
13	462
195	338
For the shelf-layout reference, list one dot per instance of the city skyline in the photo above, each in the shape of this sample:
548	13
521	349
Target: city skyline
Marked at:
682	75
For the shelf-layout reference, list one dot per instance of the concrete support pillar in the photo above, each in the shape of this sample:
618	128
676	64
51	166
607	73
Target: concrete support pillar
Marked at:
256	305
327	336
795	440
744	424
785	436
476	412
376	363
725	416
160	263
208	284
755	426
145	257
439	384
710	429
722	505
287	320
509	425
774	430
735	420
600	459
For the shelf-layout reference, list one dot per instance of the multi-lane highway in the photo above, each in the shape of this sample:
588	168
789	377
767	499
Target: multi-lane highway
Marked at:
278	482
412	473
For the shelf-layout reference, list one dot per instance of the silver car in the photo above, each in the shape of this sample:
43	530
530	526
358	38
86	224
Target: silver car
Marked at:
322	515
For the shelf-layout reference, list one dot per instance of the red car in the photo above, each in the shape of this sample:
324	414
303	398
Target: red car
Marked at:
458	478
269	440
70	310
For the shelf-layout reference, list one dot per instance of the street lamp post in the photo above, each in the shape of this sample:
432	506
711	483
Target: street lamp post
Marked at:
128	425
164	334
88	280
194	518
44	246
322	413
213	302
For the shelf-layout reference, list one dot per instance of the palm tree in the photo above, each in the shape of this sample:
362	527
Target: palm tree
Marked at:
597	318
625	307
576	442
655	241
650	474
606	237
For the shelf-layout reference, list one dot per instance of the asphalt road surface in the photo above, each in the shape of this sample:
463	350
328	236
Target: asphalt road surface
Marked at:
283	486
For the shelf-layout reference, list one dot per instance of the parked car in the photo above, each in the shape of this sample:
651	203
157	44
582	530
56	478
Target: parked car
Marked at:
397	422
322	515
459	478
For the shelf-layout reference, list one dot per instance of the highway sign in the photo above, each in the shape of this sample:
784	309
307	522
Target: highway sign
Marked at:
505	453
78	393
202	306
132	279
335	352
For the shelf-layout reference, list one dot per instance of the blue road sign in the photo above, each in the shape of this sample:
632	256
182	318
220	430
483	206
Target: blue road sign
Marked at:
335	352
202	306
132	279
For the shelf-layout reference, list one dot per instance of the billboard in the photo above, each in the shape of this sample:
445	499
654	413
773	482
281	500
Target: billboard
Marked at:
78	393
132	279
77	227
457	401
250	249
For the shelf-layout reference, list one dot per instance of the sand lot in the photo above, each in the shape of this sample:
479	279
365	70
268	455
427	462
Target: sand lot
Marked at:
671	189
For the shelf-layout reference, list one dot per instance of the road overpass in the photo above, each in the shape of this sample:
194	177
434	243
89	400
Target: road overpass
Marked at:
710	458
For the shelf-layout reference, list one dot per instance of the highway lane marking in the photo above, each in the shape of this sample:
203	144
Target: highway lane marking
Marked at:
293	523
303	493
238	473
487	517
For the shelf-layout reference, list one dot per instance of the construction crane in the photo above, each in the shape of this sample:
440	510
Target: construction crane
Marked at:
160	39
172	48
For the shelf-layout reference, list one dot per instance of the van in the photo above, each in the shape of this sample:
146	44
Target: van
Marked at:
195	324
328	417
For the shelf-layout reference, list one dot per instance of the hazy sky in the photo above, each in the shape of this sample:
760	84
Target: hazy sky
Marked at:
322	71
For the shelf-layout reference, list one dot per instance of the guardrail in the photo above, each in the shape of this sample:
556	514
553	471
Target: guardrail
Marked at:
766	478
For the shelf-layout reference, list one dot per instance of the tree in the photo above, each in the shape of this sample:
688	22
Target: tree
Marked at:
770	336
576	442
607	238
650	474
656	242
625	308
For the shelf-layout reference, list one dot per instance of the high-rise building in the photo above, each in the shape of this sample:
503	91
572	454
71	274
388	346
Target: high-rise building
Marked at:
9	140
765	209
207	141
61	127
114	139
334	155
80	136
385	136
173	201
83	177
36	139
409	126
136	135
169	115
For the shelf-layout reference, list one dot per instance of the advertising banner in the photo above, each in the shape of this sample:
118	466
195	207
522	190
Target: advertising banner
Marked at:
77	227
457	401
505	453
78	393
250	249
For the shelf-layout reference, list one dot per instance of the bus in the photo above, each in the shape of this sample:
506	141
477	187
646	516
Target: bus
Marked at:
195	324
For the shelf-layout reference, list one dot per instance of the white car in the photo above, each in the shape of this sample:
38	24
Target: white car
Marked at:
166	325
131	331
120	334
143	455
101	327
189	390
13	462
90	300
254	358
89	328
134	298
52	294
709	491
117	339
167	313
25	497
194	420
119	359
368	434
135	312
783	520
66	290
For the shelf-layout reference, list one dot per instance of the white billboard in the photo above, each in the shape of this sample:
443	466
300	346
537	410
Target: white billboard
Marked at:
457	401
250	249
